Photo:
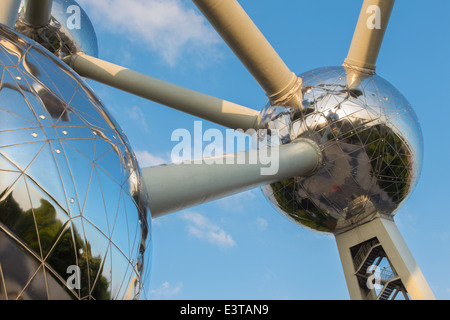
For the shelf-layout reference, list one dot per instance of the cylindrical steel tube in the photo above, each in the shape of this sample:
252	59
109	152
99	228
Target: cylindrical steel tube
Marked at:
219	111
9	9
37	13
252	48
176	187
369	33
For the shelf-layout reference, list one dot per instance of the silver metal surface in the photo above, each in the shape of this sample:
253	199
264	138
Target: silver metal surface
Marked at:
70	30
372	147
71	200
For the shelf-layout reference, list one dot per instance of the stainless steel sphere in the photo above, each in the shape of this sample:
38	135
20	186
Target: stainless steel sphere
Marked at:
73	220
69	31
372	149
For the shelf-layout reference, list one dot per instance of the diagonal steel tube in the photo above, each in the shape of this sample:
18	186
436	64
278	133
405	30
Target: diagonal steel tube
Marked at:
368	36
219	111
9	10
37	13
255	52
174	187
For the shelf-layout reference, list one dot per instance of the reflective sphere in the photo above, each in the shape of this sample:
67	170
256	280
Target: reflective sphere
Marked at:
371	143
73	218
70	30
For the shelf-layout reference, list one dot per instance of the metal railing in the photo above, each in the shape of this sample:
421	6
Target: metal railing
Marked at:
363	250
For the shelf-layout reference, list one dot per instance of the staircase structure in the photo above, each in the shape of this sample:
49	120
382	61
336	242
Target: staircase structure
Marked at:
378	264
381	283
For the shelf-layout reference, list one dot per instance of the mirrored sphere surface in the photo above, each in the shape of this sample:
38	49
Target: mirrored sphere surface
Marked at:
74	222
70	30
372	150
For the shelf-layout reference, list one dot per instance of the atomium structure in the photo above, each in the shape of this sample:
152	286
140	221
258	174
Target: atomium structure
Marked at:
371	145
76	209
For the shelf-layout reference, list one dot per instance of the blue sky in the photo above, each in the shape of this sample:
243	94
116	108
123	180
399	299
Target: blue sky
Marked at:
239	247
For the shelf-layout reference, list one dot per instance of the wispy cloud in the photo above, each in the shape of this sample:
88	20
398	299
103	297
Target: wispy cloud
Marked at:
166	290
261	224
204	229
138	117
238	202
147	159
168	27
